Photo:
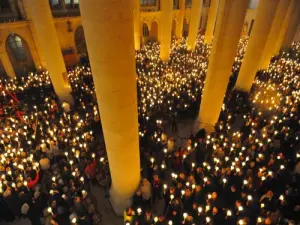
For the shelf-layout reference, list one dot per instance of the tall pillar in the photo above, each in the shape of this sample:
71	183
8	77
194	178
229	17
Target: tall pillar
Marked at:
228	32
297	38
6	63
179	25
21	9
137	25
114	77
211	21
63	5
283	30
265	13
166	8
277	24
194	24
38	11
292	28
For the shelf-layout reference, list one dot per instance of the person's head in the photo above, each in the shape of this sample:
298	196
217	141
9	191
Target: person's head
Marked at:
129	211
214	195
238	203
215	210
198	188
53	204
139	192
145	182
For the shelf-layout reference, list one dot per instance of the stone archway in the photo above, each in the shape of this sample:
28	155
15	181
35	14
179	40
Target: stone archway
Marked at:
154	31
19	54
185	29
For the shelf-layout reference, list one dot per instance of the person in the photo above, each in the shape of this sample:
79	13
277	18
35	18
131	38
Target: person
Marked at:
156	188
146	192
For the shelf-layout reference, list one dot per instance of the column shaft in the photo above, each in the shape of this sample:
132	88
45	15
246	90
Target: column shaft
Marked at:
165	29
211	21
283	30
179	25
292	28
114	77
7	64
38	11
228	31
137	25
277	24
265	13
194	24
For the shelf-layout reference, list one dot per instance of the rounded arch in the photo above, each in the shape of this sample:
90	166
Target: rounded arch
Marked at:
19	54
185	28
174	27
154	31
80	42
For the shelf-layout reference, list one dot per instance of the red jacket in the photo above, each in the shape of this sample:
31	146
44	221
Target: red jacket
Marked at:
34	182
90	170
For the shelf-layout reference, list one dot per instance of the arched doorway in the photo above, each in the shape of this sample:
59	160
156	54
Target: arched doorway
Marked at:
19	54
174	28
81	44
154	31
185	29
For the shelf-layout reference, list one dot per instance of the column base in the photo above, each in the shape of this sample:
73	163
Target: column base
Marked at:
200	125
119	202
67	97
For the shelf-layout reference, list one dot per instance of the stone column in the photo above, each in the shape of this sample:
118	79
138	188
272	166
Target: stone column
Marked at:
194	24
292	28
165	30
114	77
63	5
38	11
228	32
211	21
137	25
21	9
283	30
278	20
265	13
4	58
179	25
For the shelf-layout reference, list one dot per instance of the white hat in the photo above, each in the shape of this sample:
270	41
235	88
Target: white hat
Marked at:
24	208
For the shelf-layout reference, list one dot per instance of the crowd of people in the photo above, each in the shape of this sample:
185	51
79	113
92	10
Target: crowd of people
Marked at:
243	173
50	153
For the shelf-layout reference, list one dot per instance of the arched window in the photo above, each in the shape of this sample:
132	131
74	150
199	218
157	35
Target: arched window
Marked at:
68	2
17	47
148	2
76	1
145	30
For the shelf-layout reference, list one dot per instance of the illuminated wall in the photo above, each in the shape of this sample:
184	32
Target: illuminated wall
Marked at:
67	21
